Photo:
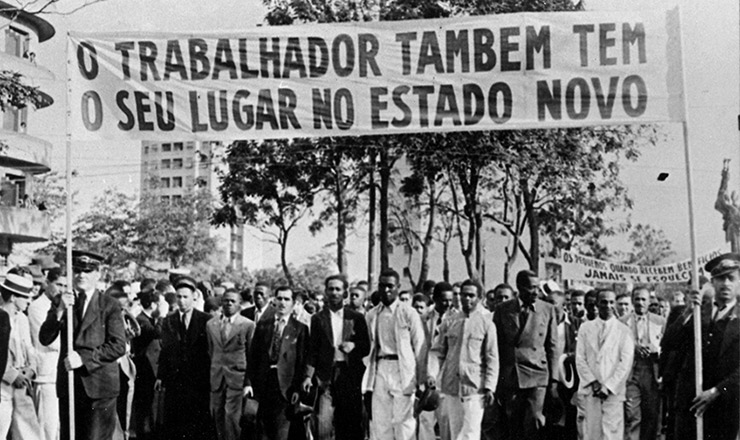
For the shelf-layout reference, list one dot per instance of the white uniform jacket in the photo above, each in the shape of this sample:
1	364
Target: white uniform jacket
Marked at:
608	361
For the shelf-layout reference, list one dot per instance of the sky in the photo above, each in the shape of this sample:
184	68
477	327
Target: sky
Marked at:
712	76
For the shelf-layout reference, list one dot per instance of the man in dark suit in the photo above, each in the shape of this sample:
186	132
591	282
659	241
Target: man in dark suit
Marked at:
277	364
720	333
146	349
339	341
184	368
528	358
99	340
260	295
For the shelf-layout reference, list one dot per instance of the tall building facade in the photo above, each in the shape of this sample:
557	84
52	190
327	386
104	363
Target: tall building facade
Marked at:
170	170
22	156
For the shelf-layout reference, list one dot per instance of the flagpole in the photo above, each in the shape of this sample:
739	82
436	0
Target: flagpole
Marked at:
696	312
68	227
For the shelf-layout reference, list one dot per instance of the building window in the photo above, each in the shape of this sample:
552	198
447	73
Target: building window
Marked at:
176	198
166	148
154	149
164	182
165	199
165	164
191	145
177	182
178	146
146	150
189	163
17	42
176	164
15	119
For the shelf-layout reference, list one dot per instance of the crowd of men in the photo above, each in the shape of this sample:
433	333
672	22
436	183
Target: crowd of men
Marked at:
181	359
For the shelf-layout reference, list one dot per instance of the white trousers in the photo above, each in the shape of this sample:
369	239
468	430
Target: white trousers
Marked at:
465	416
47	408
427	420
602	419
393	411
18	416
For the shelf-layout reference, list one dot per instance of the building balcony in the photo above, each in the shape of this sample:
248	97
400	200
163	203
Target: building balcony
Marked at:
23	152
23	225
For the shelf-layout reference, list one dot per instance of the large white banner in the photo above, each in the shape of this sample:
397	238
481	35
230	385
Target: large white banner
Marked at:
581	268
510	71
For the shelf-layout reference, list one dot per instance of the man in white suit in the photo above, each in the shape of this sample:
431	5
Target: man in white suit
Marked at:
604	355
228	344
642	407
393	372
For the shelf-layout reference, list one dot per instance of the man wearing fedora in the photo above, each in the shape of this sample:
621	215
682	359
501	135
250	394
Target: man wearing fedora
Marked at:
98	341
720	334
184	368
17	411
468	351
339	341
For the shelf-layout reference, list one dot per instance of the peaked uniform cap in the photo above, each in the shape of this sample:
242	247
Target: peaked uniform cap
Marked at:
723	264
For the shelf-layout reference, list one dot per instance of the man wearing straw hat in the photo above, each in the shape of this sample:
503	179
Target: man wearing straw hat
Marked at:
17	412
99	340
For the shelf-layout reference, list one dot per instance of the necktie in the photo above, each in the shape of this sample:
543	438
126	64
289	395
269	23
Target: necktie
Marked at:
183	325
716	313
80	305
224	329
275	345
523	315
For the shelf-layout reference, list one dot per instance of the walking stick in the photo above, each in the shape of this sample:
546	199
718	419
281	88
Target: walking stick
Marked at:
70	313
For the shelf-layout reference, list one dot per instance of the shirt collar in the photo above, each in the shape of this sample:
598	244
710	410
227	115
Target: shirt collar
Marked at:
729	306
522	306
339	313
230	319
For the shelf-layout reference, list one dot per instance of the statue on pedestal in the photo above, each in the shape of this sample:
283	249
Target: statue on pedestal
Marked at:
728	203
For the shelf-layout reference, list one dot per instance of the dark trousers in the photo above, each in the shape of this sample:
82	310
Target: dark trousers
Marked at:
186	413
142	415
642	404
721	418
521	415
271	414
345	401
95	419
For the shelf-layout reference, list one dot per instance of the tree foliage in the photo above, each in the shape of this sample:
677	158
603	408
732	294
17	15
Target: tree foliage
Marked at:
268	186
650	246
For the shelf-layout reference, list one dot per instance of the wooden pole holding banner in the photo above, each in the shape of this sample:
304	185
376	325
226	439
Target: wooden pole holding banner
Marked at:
70	286
698	368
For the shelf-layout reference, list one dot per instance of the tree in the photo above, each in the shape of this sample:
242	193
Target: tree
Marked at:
269	187
341	171
562	183
650	246
178	232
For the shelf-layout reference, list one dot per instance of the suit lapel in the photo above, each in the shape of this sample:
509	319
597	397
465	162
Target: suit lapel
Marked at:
234	329
214	326
191	330
92	312
732	331
288	335
325	320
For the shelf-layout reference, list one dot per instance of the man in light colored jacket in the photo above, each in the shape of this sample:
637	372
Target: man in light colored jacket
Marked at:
604	354
394	362
642	407
468	349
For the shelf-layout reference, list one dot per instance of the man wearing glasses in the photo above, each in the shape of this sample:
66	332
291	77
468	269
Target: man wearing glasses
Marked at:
99	341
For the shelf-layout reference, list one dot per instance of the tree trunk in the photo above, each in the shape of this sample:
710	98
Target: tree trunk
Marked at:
283	242
534	229
446	262
371	225
426	244
385	177
341	223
